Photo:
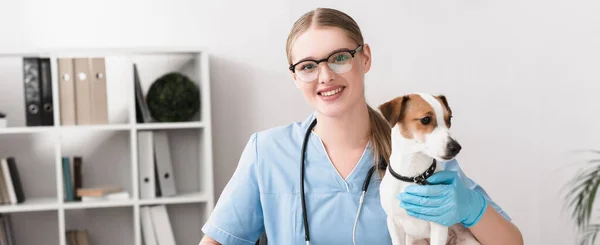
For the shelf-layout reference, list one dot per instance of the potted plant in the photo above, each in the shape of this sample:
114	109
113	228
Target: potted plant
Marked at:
173	97
582	190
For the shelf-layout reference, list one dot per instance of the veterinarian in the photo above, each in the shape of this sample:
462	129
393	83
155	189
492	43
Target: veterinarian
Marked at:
266	194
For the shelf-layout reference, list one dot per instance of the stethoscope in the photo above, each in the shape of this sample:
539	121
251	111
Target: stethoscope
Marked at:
364	188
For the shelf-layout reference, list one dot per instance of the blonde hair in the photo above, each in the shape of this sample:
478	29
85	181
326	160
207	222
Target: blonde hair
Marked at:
326	17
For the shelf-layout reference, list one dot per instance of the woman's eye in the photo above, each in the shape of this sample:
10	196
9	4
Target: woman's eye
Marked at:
341	57
426	120
307	67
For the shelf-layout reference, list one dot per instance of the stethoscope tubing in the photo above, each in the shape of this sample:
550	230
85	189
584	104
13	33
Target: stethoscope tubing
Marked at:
302	159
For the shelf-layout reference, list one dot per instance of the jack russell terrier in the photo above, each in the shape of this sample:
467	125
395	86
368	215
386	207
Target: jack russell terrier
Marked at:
420	138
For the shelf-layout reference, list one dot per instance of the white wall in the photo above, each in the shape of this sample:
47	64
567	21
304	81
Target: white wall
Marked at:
521	76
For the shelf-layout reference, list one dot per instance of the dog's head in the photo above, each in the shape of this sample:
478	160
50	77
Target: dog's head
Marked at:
424	121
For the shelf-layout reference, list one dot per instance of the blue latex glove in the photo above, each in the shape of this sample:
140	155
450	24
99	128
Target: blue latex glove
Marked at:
446	201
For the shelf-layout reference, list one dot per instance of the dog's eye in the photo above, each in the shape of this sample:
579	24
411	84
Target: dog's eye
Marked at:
426	120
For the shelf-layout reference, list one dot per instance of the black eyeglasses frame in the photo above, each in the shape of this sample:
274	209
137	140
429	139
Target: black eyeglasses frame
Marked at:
352	52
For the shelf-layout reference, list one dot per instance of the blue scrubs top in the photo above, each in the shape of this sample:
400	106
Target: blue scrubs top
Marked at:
264	194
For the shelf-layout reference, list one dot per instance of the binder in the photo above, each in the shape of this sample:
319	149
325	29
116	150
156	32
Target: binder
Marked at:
47	112
162	225
164	165
146	174
82	91
148	234
66	88
13	172
142	113
8	181
33	100
99	107
4	198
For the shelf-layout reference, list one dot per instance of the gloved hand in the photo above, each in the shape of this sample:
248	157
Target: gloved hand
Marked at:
446	201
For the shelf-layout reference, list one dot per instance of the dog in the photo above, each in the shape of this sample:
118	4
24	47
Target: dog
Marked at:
420	139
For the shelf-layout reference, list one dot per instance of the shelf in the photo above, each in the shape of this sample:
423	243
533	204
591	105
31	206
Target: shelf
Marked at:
109	152
179	199
31	205
26	130
177	125
97	204
109	127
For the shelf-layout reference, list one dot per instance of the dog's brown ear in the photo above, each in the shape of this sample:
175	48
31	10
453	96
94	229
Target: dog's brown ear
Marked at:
445	102
393	110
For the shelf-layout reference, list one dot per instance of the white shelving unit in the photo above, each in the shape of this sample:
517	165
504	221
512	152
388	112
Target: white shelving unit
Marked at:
109	152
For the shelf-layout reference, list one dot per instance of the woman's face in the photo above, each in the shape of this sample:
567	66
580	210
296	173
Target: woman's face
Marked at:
330	93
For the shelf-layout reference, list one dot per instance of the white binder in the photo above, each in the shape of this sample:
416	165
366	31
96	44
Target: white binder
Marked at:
147	226
146	165
162	225
164	165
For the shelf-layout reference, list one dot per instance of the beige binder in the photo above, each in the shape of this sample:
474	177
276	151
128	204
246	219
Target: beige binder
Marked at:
66	91
99	105
82	91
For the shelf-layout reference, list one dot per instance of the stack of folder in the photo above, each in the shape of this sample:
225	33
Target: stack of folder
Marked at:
156	178
82	91
37	84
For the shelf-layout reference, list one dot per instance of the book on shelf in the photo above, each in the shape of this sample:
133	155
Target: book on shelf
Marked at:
72	177
11	189
98	191
115	196
6	231
73	185
77	237
104	193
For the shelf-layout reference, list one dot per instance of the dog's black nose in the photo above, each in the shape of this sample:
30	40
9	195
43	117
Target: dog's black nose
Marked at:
453	148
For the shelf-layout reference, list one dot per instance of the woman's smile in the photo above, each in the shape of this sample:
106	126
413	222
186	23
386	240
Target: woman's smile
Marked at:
331	93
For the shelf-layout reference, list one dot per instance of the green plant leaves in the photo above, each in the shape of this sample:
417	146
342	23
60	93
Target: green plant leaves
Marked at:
581	196
173	97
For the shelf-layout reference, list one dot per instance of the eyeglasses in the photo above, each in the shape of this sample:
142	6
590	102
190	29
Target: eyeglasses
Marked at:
339	62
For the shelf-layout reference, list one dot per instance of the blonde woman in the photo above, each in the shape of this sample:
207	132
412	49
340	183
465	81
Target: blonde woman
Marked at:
328	60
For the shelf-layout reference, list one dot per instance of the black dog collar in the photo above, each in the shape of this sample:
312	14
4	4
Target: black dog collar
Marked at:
419	179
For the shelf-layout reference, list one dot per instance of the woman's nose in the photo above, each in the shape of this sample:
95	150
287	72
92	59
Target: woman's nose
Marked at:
325	74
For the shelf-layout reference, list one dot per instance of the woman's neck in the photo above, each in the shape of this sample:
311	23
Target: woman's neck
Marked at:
347	131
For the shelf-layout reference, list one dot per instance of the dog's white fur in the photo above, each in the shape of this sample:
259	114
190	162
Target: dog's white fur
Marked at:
412	158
